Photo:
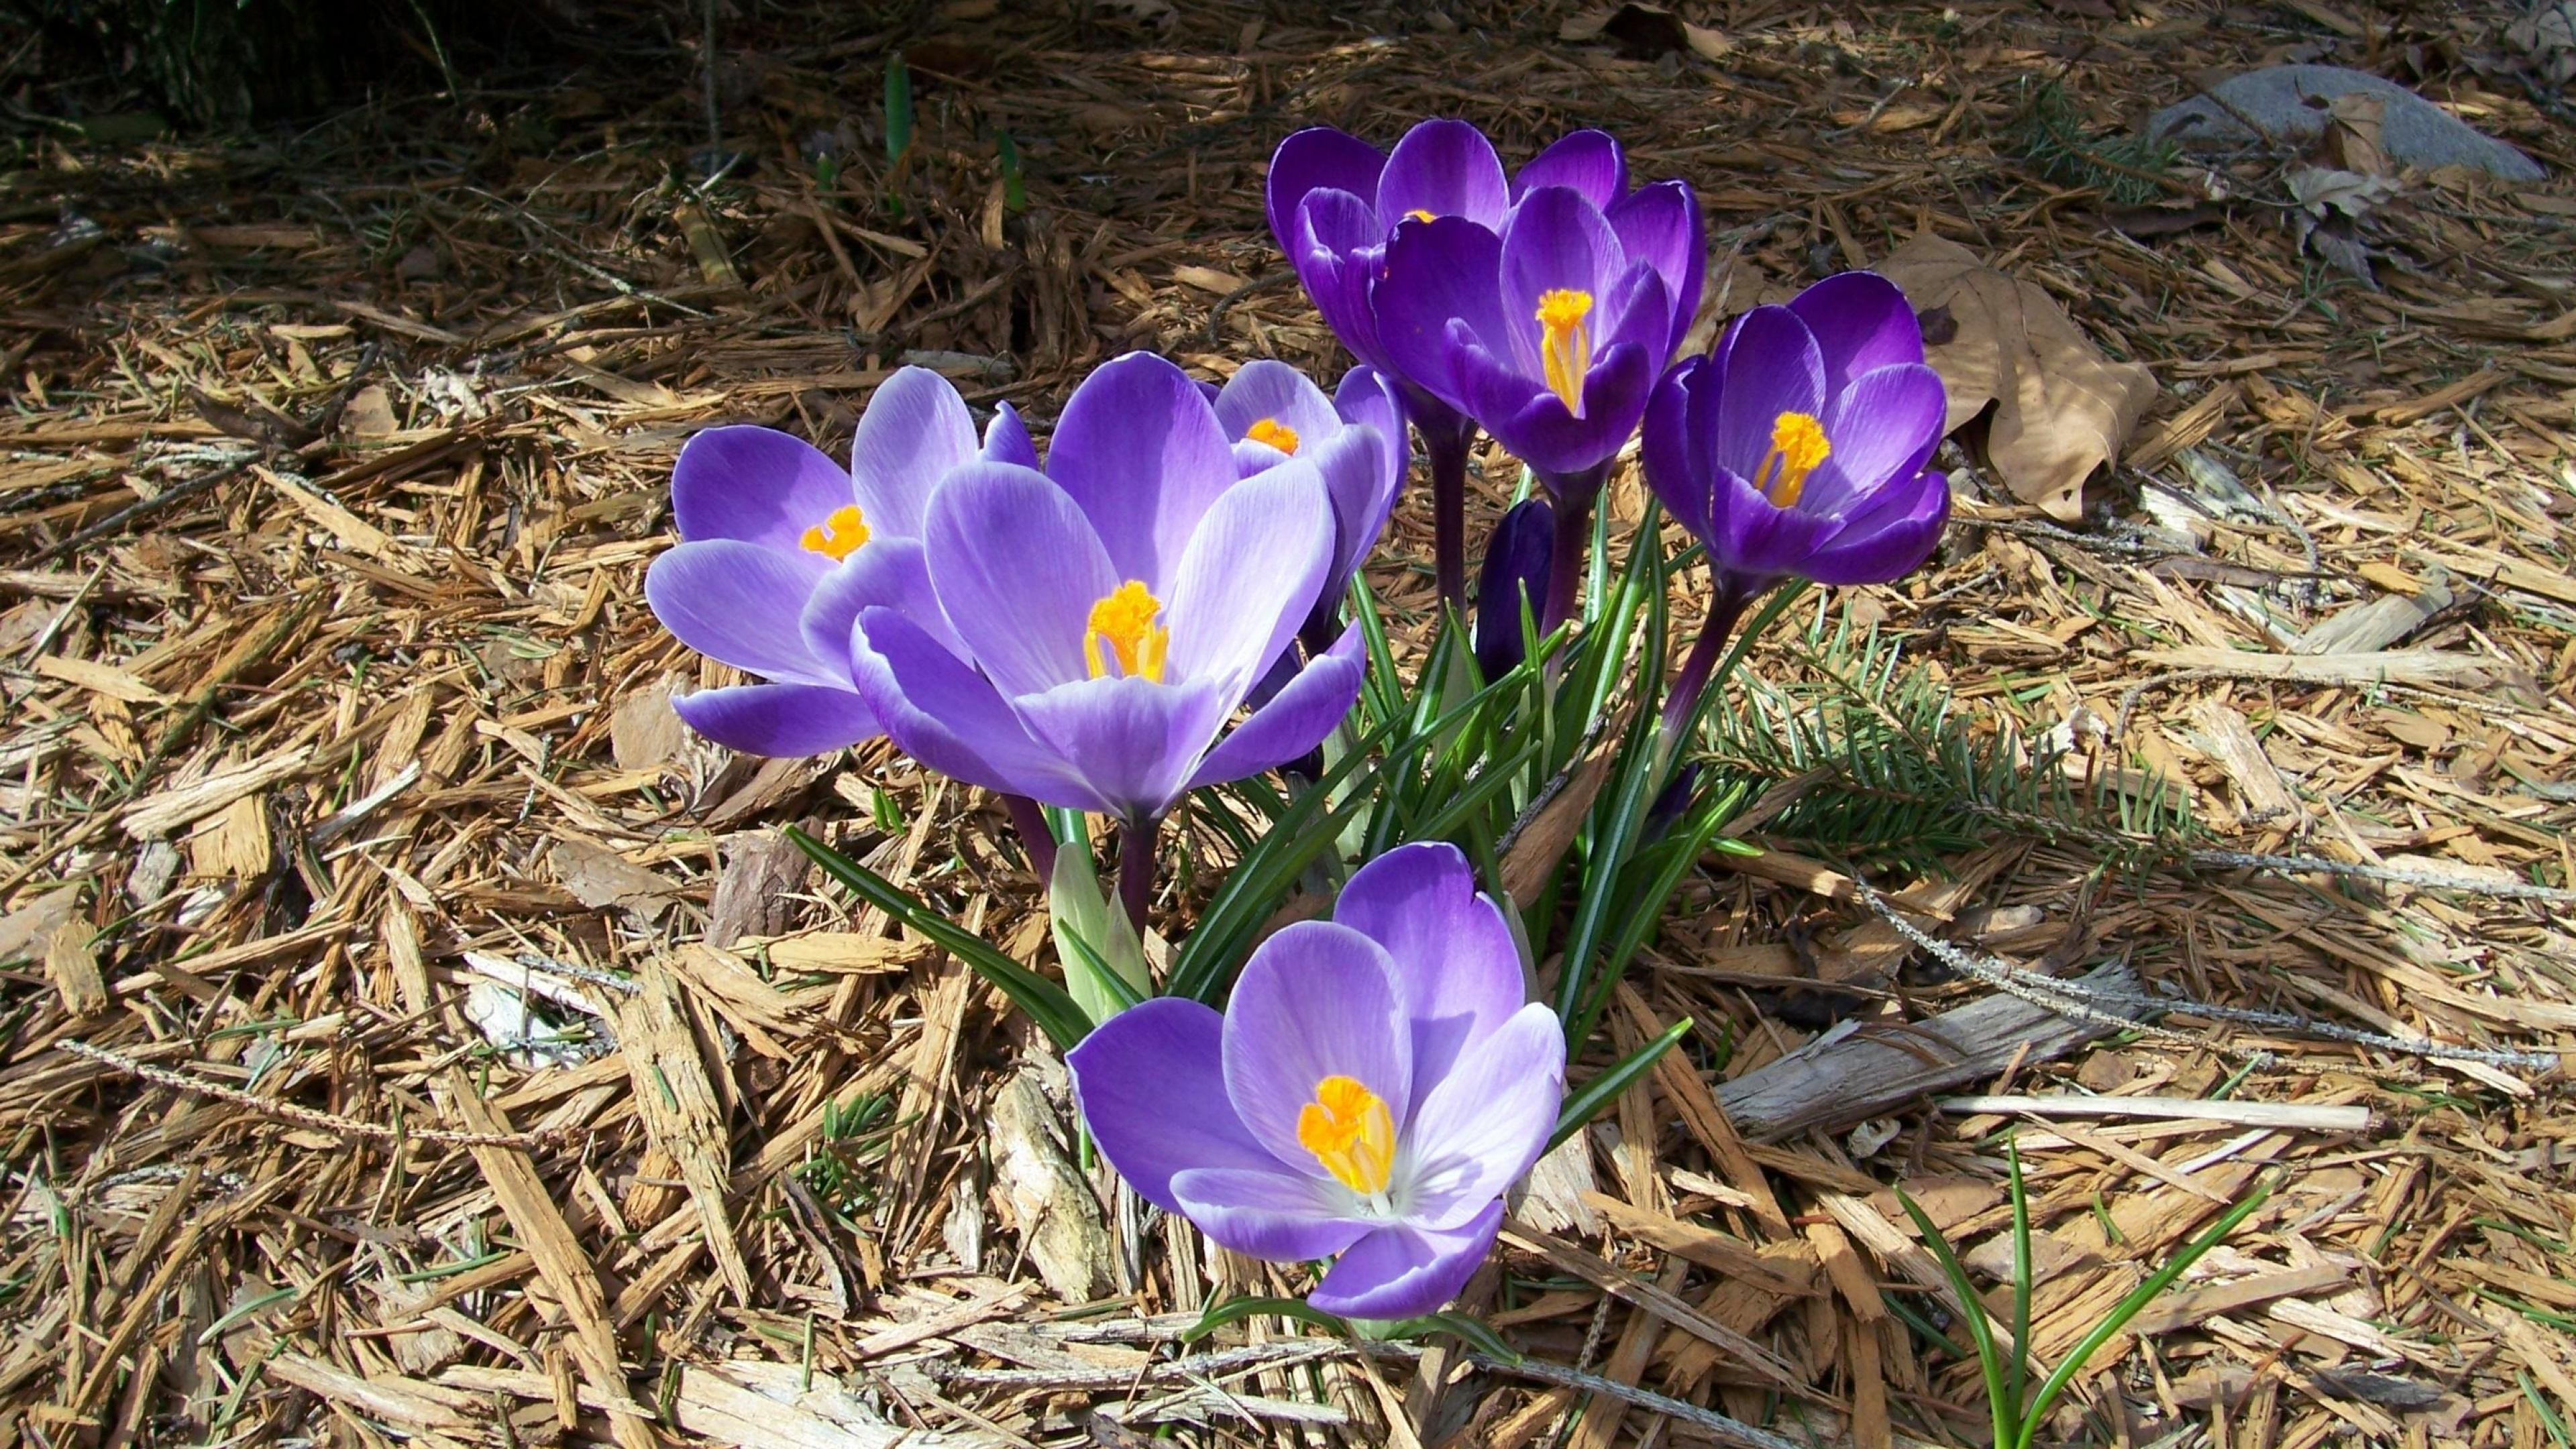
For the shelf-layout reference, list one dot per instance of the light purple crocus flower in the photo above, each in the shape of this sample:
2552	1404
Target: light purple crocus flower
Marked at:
1090	630
1335	202
1796	448
1375	1085
1549	333
1355	438
782	547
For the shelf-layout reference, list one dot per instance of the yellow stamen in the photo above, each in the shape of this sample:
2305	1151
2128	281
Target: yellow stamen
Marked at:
1797	446
1351	1133
1124	620
1274	432
1418	214
840	535
1565	344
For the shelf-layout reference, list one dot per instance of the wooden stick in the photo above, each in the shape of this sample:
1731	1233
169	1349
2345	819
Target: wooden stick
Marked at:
2241	1114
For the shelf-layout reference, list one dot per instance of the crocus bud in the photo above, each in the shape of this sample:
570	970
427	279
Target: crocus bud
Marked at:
1516	564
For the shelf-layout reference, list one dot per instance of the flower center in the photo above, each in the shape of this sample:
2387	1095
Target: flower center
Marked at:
1565	344
1351	1133
1418	214
1274	432
840	535
1124	621
1797	446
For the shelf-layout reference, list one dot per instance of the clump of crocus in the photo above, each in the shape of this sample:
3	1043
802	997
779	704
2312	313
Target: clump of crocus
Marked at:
1088	632
1796	448
782	547
1355	438
1375	1085
1549	333
1335	201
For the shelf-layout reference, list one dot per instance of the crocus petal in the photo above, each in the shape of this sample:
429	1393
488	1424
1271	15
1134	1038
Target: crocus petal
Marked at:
1270	390
1006	439
949	717
1479	1129
758	485
1587	161
1637	310
1672	444
1132	742
738	603
1861	322
1018	570
1457	967
1406	1272
1292	721
1773	367
1660	226
1555	241
778	719
1361	488
1439	278
1446	168
1266	1213
915	429
1905	526
1140	452
1883	427
1249	576
1336	246
1756	540
1150	1082
1543	434
1315	1001
890	573
1315	159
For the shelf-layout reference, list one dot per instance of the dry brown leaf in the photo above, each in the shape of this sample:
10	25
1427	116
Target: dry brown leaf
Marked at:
2062	409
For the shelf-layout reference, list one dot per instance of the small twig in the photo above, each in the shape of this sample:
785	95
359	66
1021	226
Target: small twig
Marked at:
2079	1002
1708	1422
2392	875
1224	304
302	1116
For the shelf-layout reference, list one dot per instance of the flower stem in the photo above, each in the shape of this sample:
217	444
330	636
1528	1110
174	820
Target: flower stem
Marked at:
1573	494
1445	439
1136	868
1035	837
1683	702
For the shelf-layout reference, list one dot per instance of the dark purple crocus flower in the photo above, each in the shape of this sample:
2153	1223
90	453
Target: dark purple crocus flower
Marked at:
1796	449
1355	438
1088	632
1334	201
1549	334
1516	564
782	547
1376	1084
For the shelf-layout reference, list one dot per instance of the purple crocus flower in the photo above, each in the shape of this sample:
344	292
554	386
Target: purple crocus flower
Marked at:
1796	449
1376	1084
1516	564
1087	632
1355	438
1549	333
1335	201
782	547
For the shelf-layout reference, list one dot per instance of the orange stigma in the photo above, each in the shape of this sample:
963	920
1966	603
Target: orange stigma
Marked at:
1274	432
1797	446
1351	1133
1565	344
840	535
1124	620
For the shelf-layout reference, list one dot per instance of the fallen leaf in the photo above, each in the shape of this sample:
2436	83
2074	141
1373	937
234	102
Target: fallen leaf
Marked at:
2062	409
643	730
601	878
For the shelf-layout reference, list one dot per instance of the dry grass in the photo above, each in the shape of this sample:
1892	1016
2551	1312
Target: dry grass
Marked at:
335	736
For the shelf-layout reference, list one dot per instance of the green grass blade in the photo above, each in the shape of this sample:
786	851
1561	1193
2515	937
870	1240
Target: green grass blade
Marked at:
1594	1097
1047	1004
1971	1307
